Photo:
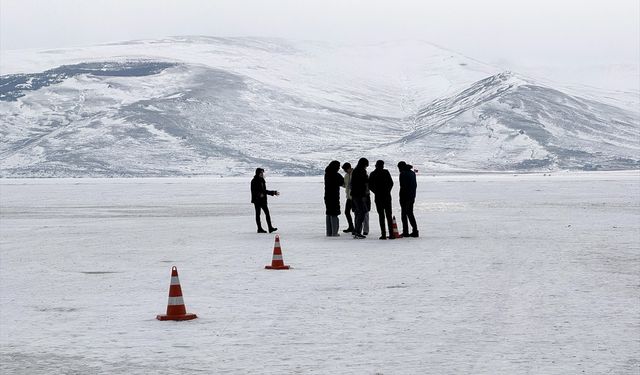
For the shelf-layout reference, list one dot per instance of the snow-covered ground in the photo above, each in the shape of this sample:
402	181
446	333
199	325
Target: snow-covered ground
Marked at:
512	274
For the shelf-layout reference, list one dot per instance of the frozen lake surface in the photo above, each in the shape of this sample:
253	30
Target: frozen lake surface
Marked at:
526	274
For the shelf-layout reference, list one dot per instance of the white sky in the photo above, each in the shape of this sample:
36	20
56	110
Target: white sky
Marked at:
523	31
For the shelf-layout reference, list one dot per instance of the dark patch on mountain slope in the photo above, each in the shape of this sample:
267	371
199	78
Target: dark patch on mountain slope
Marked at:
14	86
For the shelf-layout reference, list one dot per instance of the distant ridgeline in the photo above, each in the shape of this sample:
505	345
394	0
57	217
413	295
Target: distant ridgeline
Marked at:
13	86
197	106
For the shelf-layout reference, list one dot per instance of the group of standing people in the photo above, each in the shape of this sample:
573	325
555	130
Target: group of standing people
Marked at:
358	185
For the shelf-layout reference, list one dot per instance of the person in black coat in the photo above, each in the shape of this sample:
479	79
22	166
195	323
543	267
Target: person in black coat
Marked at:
381	183
259	194
333	181
359	189
408	187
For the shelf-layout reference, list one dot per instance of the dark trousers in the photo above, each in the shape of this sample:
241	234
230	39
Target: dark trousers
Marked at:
360	208
347	213
263	207
384	211
406	212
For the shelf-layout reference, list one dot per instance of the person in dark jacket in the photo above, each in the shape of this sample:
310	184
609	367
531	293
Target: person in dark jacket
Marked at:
381	183
346	167
359	189
408	187
259	194
333	181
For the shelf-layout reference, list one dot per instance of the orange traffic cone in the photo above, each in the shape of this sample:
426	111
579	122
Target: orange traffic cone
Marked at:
395	233
277	263
175	308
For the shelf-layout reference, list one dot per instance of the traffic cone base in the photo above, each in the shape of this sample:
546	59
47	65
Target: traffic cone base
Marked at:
176	309
277	262
277	267
177	317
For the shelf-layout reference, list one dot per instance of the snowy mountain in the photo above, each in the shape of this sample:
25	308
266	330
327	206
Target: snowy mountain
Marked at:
506	123
211	106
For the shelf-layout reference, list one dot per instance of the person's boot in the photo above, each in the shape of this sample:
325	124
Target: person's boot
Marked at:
348	230
272	229
414	233
260	230
383	237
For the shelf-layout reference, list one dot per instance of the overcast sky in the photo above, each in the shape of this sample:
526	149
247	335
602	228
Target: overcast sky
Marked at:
523	31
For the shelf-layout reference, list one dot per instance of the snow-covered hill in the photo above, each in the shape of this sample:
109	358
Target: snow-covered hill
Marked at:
222	106
506	123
